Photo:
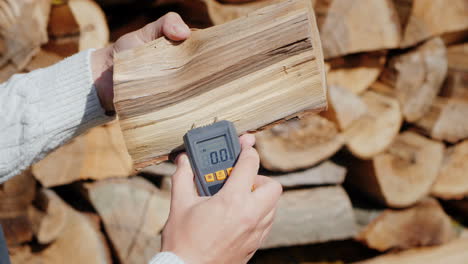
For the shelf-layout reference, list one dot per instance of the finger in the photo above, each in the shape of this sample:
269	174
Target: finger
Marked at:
247	140
243	174
267	193
183	186
170	25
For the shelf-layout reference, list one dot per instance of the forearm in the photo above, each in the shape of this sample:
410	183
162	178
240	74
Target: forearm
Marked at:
44	109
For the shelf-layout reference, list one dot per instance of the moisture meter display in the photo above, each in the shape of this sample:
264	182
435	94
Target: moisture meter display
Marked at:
213	152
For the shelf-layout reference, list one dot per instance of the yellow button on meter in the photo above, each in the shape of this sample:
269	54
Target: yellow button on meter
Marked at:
209	177
220	175
229	170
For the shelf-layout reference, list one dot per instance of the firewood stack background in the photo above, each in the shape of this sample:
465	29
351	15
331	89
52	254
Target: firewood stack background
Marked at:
381	177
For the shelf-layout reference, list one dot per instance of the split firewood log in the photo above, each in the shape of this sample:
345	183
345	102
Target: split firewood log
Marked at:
16	196
452	181
344	107
97	155
346	26
322	174
453	252
417	77
423	19
273	72
23	27
401	229
403	174
355	26
375	130
312	216
446	120
76	25
298	144
356	72
43	59
74	237
134	213
456	84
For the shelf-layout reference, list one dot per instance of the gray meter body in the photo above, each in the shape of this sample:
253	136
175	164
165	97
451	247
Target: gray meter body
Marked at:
213	151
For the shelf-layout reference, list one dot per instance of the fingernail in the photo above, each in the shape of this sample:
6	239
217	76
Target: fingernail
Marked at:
181	29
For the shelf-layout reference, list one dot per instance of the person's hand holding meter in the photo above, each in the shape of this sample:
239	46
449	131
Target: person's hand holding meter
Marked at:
227	227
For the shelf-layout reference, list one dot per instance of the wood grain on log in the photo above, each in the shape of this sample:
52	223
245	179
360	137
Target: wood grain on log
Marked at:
403	174
356	72
422	19
98	154
75	237
312	216
454	253
417	77
425	224
134	213
452	181
446	120
344	107
221	13
356	26
377	128
298	144
16	196
456	84
322	174
18	19
269	70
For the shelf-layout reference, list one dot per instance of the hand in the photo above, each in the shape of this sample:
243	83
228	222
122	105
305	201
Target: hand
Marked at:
170	25
227	227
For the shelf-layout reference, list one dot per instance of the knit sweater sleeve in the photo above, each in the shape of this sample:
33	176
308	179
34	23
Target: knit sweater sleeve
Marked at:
44	109
166	258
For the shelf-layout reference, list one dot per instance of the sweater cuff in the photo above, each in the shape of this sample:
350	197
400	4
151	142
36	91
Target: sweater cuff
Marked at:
166	258
69	101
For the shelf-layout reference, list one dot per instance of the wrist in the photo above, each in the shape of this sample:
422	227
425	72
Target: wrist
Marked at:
102	71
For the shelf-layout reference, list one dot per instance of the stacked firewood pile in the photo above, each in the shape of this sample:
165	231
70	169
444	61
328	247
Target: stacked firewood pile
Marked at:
380	177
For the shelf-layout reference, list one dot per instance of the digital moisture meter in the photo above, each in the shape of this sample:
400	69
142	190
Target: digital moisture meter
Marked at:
213	151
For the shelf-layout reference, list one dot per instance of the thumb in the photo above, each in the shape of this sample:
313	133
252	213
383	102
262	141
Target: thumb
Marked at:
183	187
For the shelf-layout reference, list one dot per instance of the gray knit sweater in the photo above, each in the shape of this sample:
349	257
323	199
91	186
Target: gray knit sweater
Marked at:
44	109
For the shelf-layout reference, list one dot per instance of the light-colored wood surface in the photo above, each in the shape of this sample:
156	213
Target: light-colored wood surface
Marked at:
16	195
312	216
322	174
376	129
344	107
452	180
298	144
356	72
422	19
134	212
75	236
446	120
456	85
417	77
401	229
403	174
97	155
94	31
355	26
454	253
253	71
